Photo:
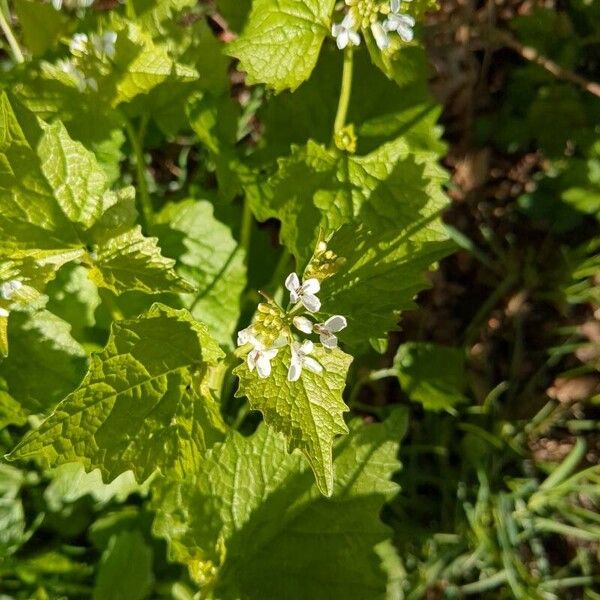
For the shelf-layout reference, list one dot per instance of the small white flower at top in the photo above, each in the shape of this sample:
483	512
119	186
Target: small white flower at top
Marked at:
78	43
8	288
259	357
399	22
326	330
57	4
301	359
345	33
305	292
105	44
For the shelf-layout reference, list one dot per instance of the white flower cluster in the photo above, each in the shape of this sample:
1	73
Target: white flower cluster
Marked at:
102	46
346	33
7	290
302	295
58	4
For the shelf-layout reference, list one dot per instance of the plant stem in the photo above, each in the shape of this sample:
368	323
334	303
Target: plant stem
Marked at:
246	228
344	101
10	37
143	195
532	55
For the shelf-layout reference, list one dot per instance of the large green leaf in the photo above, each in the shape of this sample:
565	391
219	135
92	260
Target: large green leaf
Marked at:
55	206
380	275
315	189
281	41
140	406
45	362
251	524
309	412
210	258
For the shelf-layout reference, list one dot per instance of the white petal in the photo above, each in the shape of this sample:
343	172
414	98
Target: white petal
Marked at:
251	360
307	347
57	4
295	370
312	365
406	33
270	353
336	323
311	302
3	312
348	21
311	286
328	340
8	288
407	20
292	283
294	297
336	29
341	41
354	38
303	324
243	336
263	366
395	5
380	35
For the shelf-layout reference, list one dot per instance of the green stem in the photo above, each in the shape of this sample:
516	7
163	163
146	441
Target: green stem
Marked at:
11	39
344	101
143	195
246	228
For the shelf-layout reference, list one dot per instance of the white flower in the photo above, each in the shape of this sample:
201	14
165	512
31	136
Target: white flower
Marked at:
305	292
380	34
303	324
328	330
105	43
8	288
344	32
325	330
78	43
3	313
300	359
399	22
57	4
259	357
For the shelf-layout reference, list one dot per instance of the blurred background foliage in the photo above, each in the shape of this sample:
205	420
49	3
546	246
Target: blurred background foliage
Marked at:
499	363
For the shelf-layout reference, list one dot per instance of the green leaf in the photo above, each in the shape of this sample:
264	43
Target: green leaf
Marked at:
210	258
140	65
214	120
12	514
41	25
432	375
131	261
70	482
309	412
74	175
74	298
45	362
318	189
380	275
281	41
141	407
125	570
11	412
220	522
54	205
